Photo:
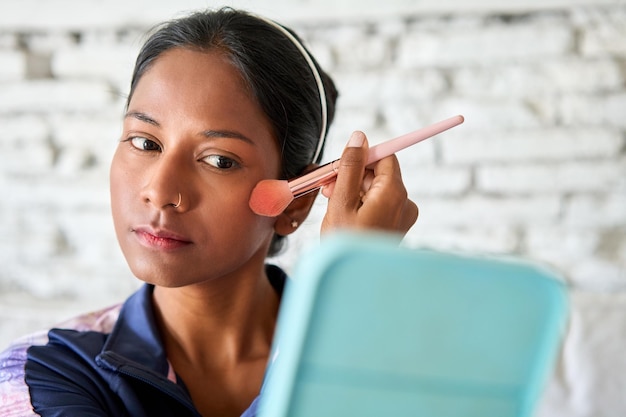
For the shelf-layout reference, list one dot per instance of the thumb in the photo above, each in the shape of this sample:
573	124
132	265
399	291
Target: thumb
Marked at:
347	187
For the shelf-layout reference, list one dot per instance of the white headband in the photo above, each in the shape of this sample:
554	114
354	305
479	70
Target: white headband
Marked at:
318	80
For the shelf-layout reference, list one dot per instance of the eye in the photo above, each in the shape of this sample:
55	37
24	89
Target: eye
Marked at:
221	162
145	144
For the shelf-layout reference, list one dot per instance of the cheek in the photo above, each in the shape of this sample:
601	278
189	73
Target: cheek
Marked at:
232	218
235	211
120	187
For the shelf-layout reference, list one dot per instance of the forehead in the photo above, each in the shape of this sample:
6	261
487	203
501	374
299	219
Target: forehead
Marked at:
199	86
193	74
188	92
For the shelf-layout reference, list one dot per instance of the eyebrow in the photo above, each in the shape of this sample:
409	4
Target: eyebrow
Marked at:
143	117
210	133
227	134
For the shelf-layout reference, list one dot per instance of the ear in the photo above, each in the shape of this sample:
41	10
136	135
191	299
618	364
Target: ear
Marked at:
296	212
294	215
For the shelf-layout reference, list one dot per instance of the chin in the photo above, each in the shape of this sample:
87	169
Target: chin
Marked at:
148	273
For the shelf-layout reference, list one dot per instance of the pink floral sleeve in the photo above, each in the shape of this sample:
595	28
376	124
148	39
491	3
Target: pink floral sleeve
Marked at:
14	395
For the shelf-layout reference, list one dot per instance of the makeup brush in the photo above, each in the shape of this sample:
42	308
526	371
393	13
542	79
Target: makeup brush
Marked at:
270	197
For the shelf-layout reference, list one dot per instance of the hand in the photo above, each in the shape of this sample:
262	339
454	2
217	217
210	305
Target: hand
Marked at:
368	198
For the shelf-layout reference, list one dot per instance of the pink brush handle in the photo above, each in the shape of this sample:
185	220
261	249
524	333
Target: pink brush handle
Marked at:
385	149
326	173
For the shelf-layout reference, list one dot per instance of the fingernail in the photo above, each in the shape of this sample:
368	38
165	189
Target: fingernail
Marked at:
356	140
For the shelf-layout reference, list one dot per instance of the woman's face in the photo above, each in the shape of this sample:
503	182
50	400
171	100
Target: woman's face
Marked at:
192	128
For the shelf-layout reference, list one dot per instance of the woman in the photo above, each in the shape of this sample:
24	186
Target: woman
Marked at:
219	101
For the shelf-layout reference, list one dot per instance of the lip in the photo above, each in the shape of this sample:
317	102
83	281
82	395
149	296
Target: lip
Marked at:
160	239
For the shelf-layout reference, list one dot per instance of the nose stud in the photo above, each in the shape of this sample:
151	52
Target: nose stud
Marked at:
180	199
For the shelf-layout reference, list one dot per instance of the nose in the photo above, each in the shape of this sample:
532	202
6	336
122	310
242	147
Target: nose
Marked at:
164	184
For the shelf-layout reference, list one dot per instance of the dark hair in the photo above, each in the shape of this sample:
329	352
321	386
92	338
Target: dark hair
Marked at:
274	69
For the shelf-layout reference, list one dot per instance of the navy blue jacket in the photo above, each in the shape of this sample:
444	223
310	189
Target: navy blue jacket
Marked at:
124	373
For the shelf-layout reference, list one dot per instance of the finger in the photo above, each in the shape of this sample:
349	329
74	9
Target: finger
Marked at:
409	216
327	190
387	194
347	187
388	166
386	182
368	179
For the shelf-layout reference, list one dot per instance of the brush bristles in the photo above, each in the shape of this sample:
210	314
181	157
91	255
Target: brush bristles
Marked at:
270	197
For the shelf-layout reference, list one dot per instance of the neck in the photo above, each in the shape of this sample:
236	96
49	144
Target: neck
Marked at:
222	322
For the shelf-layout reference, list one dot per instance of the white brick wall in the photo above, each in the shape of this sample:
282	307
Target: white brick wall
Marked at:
554	178
499	43
538	170
548	145
39	96
13	65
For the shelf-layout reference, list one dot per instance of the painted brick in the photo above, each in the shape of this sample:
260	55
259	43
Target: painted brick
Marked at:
38	238
428	180
87	192
85	14
8	40
86	130
599	274
559	244
18	318
28	158
12	66
96	61
550	144
78	228
399	86
357	88
348	120
402	118
599	211
594	110
24	146
102	289
506	113
391	28
603	31
482	211
50	96
52	243
568	177
539	78
74	15
23	128
591	366
354	48
11	228
322	52
619	248
47	42
85	142
472	239
498	43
